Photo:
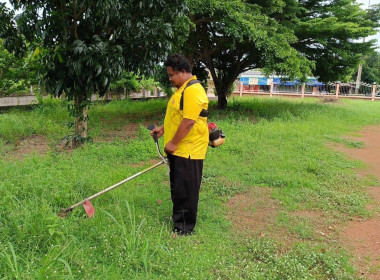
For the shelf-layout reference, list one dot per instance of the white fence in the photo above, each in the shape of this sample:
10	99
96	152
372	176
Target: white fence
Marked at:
22	100
336	90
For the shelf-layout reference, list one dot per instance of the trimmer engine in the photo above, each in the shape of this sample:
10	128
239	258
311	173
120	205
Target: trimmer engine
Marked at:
216	136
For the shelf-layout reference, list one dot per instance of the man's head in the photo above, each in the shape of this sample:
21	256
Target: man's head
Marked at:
178	69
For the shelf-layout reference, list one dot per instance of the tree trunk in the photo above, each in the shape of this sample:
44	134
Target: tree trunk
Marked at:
81	117
222	90
222	101
83	123
222	82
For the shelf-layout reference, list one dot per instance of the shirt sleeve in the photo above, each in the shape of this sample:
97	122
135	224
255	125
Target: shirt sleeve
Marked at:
193	102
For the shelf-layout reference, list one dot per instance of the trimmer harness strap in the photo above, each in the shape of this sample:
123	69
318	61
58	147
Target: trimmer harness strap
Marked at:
204	113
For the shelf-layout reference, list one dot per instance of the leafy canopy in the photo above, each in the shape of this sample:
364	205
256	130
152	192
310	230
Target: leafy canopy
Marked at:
84	45
331	34
230	37
292	38
14	77
371	69
81	46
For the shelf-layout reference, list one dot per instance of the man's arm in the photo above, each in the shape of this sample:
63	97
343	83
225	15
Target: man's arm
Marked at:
183	129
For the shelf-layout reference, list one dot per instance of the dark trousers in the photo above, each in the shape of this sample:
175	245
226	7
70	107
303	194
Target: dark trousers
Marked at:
185	182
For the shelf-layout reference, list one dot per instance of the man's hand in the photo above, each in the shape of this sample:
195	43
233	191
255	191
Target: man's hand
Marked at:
183	129
170	147
158	130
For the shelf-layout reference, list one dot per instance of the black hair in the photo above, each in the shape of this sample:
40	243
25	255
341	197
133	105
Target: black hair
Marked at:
178	63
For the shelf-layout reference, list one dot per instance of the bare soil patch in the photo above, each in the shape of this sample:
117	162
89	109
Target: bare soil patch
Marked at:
36	143
329	99
125	132
251	212
362	236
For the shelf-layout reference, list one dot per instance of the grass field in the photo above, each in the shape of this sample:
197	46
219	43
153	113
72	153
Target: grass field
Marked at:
277	151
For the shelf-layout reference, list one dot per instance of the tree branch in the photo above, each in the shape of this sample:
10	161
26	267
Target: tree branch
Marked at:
75	19
201	20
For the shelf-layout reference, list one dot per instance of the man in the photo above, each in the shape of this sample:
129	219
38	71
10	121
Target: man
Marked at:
186	139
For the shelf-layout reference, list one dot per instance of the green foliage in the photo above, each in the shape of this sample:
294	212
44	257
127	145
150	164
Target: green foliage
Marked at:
371	69
14	76
131	82
127	81
331	35
234	36
148	83
161	76
292	38
80	47
100	45
200	71
8	31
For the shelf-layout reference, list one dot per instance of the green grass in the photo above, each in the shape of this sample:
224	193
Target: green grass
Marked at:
276	143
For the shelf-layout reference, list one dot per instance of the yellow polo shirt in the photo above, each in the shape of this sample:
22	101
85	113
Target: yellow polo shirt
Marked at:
194	144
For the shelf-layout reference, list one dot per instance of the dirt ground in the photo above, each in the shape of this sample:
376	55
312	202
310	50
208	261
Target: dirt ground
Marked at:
253	213
35	144
362	236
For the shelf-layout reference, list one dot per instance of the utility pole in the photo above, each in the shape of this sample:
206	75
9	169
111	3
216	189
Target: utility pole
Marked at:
359	76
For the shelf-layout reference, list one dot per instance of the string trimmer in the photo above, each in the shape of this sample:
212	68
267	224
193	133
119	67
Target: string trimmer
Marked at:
90	210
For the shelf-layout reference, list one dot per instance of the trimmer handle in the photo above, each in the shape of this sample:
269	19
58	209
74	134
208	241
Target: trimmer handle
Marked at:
151	127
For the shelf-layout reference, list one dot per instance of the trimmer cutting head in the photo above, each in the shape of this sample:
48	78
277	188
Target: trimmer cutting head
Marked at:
90	210
63	213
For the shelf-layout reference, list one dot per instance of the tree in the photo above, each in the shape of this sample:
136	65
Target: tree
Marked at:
371	69
8	31
292	38
161	76
84	45
230	37
126	83
331	34
14	77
